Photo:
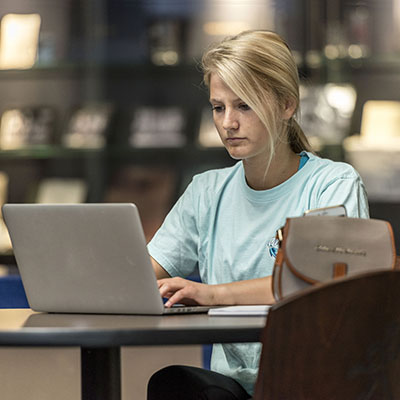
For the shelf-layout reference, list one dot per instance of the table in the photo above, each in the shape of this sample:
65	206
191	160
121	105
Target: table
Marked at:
100	338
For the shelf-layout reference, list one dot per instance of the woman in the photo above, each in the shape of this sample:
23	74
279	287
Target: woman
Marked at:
226	221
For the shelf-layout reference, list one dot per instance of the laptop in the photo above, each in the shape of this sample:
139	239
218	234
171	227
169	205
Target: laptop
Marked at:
85	258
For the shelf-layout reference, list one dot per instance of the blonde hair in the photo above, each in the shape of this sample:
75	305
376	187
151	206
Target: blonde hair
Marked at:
259	68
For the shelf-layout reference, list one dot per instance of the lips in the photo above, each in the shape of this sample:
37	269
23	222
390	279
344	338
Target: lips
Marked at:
235	140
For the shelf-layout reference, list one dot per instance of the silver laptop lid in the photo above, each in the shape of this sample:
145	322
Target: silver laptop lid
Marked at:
83	258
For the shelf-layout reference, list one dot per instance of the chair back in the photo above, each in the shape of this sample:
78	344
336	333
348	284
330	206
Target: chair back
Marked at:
340	340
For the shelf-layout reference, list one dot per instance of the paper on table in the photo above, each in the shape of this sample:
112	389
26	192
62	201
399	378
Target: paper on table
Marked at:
253	310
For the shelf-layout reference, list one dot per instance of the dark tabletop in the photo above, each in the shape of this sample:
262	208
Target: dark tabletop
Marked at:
23	327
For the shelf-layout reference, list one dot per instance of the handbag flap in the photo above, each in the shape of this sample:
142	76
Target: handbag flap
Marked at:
313	245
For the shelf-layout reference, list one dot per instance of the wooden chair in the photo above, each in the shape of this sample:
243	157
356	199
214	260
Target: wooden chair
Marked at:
340	340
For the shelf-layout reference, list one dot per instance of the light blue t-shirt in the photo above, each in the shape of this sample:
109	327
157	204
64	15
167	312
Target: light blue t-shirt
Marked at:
227	230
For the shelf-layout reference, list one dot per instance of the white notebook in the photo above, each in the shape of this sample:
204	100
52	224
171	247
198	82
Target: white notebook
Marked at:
251	311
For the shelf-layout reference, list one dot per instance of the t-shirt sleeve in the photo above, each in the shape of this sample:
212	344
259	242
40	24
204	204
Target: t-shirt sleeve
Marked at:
348	190
175	244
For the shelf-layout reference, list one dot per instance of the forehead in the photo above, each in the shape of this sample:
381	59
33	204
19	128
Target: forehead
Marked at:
219	90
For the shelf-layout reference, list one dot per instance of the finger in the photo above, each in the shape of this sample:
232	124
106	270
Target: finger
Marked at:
161	282
186	295
173	281
166	291
177	297
170	285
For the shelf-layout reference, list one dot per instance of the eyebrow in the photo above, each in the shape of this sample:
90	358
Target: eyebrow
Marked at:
237	100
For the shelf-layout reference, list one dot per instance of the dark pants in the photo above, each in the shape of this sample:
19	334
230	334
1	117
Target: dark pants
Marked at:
190	383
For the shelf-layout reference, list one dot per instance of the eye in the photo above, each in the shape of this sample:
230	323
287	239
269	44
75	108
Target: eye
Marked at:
218	109
244	107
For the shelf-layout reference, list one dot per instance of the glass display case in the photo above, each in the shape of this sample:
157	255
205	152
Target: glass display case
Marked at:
84	83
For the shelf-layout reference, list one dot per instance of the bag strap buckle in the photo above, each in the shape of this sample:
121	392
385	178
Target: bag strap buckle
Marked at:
279	236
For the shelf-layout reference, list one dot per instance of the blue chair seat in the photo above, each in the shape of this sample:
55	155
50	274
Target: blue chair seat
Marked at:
12	292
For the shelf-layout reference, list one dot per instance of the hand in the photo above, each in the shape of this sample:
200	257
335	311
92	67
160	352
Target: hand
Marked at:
179	290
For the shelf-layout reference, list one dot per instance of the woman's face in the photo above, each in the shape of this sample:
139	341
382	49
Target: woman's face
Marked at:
241	131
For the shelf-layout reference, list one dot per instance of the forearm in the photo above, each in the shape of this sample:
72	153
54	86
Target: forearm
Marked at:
253	291
159	270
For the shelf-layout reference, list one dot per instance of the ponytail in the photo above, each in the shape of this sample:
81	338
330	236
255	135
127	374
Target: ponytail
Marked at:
297	139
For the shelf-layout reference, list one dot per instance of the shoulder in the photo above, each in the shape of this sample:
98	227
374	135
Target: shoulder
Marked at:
205	190
331	183
329	171
215	179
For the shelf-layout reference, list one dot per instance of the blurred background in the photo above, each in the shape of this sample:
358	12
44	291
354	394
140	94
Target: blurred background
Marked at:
102	100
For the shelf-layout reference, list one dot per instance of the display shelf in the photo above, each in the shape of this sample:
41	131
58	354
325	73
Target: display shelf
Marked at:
148	69
58	72
383	63
120	70
190	154
48	152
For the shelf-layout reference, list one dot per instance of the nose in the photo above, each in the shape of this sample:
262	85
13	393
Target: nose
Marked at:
230	121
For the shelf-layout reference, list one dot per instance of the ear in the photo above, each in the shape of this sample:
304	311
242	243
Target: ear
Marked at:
290	108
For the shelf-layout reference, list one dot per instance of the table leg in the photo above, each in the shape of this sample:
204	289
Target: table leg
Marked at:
101	373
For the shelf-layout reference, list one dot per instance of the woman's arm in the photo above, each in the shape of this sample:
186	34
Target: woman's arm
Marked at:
253	291
159	270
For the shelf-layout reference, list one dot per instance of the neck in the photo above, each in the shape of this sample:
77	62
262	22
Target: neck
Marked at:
284	164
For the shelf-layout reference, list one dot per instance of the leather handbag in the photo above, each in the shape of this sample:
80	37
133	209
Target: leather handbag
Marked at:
315	249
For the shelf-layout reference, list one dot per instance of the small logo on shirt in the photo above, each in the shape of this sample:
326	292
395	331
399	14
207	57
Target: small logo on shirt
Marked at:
273	246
